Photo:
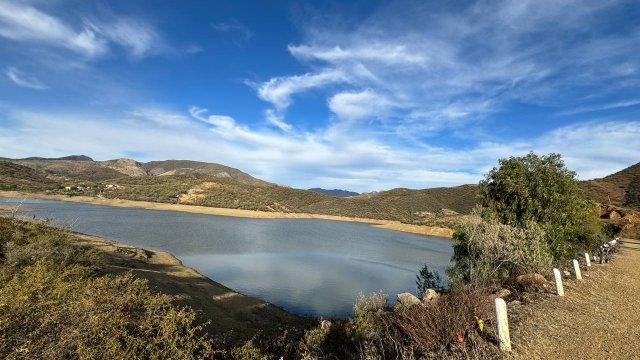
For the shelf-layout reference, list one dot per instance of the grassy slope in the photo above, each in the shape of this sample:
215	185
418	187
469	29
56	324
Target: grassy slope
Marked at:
613	188
203	185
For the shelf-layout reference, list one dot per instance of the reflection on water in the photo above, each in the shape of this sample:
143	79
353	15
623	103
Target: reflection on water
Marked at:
312	267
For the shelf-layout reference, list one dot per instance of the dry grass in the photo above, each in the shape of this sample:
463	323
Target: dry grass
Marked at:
434	329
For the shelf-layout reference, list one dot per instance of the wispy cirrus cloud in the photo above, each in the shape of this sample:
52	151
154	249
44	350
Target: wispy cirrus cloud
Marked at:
21	79
89	37
451	66
327	157
233	26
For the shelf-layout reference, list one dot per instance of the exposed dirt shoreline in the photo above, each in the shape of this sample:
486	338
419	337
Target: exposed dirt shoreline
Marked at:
385	224
234	315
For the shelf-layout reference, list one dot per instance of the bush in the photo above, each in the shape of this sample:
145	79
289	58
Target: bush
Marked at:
427	279
540	189
433	330
55	305
487	251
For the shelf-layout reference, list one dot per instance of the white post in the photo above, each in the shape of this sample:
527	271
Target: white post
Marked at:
558	278
503	325
576	268
587	258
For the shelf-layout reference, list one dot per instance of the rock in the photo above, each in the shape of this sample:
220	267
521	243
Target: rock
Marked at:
503	293
325	324
407	300
566	273
531	281
429	295
615	215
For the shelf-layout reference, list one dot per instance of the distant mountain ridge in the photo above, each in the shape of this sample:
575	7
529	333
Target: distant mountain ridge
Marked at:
85	168
216	185
335	192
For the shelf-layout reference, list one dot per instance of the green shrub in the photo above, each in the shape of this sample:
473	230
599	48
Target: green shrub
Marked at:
427	279
540	189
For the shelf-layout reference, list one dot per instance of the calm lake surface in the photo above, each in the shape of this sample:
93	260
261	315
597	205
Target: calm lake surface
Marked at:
306	266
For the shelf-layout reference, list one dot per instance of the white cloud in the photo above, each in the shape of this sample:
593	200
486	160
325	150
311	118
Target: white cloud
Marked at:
135	35
25	23
279	90
21	22
359	105
328	157
459	65
20	79
277	121
233	26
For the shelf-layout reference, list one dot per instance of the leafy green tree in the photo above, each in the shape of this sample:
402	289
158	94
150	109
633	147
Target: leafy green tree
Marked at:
427	279
540	189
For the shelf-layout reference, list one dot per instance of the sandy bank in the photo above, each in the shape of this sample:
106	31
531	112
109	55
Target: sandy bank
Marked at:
386	224
238	316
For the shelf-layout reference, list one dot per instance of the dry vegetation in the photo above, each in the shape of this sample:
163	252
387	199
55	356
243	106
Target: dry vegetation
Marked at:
56	303
66	295
619	189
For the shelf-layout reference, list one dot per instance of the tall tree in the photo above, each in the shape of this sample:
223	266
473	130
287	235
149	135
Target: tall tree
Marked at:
542	190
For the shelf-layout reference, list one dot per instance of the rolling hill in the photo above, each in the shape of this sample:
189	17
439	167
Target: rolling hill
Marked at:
620	189
215	185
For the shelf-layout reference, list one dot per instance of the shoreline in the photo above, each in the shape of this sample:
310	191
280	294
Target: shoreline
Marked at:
205	210
234	311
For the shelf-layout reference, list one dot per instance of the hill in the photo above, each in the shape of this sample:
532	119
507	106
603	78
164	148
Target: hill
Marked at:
215	185
335	192
620	189
187	167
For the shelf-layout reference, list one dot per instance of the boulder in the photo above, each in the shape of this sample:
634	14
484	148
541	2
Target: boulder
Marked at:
531	278
503	293
615	215
407	300
429	295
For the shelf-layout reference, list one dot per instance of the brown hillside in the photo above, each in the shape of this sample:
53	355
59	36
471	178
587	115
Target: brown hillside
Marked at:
187	167
18	177
79	169
620	189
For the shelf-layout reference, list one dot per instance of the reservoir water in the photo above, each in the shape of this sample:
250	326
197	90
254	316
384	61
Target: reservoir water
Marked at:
306	266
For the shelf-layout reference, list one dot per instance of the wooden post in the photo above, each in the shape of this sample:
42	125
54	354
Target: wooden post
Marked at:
587	258
503	325
576	268
558	279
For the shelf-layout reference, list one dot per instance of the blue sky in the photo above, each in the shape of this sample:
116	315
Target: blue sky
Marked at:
363	95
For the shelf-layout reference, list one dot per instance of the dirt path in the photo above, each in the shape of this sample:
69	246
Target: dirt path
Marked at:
599	318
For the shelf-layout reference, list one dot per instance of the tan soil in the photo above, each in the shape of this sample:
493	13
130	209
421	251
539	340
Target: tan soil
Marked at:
386	224
227	310
599	317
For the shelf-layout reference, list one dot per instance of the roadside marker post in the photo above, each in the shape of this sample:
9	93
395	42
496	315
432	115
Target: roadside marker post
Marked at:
558	278
503	324
588	259
576	268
